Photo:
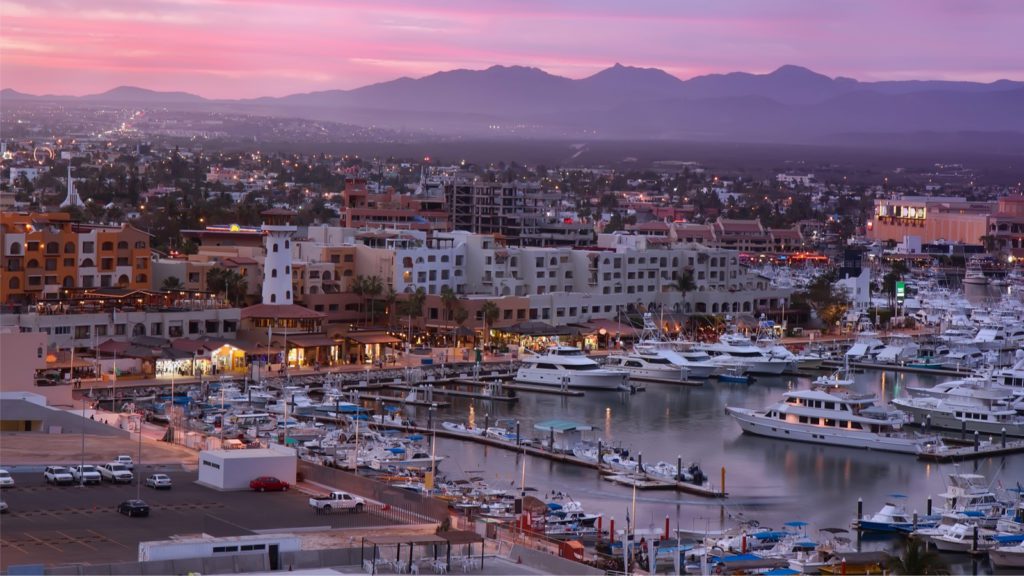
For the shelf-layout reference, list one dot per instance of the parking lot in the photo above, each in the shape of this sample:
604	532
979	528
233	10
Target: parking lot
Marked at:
57	525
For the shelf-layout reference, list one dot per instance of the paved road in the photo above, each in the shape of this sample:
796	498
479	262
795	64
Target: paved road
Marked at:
57	525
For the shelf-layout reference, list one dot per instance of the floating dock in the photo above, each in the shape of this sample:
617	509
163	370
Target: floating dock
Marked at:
984	450
899	368
654	483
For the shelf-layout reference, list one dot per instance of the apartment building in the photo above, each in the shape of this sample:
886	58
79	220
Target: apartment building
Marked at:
732	234
47	253
932	218
426	211
515	213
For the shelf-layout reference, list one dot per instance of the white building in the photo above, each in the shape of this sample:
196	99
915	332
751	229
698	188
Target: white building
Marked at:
277	267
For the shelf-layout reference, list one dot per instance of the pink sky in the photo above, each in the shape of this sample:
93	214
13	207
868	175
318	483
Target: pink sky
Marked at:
250	48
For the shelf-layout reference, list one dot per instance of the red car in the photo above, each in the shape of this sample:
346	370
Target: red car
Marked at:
264	483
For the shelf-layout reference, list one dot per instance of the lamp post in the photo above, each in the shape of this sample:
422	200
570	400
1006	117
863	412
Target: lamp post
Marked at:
138	465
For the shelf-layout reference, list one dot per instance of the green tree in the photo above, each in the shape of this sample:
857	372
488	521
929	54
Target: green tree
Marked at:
171	284
915	558
448	302
829	303
412	307
372	290
490	312
683	283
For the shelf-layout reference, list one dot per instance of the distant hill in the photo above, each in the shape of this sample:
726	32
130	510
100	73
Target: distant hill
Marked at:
791	104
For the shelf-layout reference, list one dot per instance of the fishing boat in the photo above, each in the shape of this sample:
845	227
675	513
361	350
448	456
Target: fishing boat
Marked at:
648	366
974	274
893	517
1006	556
984	411
459	428
834	418
733	375
569	367
735	350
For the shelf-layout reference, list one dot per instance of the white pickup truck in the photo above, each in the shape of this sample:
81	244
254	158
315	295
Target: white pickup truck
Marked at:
116	472
337	500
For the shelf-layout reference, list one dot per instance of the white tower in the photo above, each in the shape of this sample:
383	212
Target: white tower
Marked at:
277	267
72	198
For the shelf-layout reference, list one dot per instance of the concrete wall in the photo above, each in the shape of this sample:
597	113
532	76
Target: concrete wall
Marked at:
549	563
21	354
14	411
341	480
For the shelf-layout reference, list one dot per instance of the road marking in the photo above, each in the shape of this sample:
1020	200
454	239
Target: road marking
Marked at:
104	538
74	540
41	541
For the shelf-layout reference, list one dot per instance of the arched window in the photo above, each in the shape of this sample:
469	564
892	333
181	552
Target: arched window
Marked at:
33	263
287	270
52	248
122	245
15	248
554	262
273	298
346	273
287	244
287	294
107	246
141	278
69	247
123	281
87	263
407	262
327	276
273	272
69	282
139	329
275	246
14	283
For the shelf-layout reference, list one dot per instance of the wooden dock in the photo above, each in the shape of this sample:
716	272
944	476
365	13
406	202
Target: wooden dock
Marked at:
984	450
667	381
897	368
536	389
648	482
706	491
402	400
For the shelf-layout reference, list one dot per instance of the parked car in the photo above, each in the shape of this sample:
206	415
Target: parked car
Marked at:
3	507
57	475
116	472
133	508
268	483
86	474
125	460
6	481
337	500
158	481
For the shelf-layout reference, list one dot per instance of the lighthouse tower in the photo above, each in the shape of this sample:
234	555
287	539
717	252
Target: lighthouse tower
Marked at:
277	267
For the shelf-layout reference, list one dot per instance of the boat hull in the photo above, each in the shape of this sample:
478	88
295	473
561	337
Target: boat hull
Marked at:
947	421
1007	558
752	423
591	379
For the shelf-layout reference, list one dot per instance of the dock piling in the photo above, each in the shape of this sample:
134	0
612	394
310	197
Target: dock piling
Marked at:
860	508
929	508
963	429
1003	436
977	440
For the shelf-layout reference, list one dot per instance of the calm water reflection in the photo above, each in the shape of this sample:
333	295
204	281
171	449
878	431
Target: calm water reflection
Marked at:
773	481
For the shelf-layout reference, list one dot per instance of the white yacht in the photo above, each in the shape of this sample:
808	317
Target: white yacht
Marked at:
834	418
1007	557
985	411
698	364
866	347
737	351
568	366
901	349
648	366
974	274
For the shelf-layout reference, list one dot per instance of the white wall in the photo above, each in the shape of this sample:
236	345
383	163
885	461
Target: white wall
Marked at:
227	470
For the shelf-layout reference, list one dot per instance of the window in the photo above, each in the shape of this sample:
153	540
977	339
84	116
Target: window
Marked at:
52	248
69	247
15	248
51	264
82	332
156	329
62	330
287	270
210	326
273	298
349	258
14	283
88	247
32	247
140	244
69	262
273	273
230	326
107	246
275	246
122	245
287	244
140	263
119	329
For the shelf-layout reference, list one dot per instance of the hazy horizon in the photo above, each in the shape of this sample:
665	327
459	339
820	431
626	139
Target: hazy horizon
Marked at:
254	48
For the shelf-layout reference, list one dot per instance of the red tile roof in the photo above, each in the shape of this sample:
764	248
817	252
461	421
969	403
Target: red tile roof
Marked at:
279	311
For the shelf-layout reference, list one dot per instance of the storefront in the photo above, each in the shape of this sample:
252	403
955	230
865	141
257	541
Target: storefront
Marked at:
370	347
228	359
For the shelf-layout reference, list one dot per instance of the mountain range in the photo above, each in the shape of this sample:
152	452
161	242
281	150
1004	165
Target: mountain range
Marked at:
791	104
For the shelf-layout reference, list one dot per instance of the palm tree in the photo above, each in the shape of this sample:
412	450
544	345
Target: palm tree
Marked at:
489	311
359	289
917	559
683	283
412	307
448	301
172	284
373	287
390	299
235	287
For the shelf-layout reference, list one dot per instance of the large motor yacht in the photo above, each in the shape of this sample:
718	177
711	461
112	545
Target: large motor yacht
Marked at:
648	366
737	351
568	366
832	417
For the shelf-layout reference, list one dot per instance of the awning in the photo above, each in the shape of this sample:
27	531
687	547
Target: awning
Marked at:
372	338
255	347
310	341
609	326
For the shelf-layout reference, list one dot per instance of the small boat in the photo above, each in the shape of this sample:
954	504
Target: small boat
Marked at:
620	462
459	428
893	517
1006	555
733	375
